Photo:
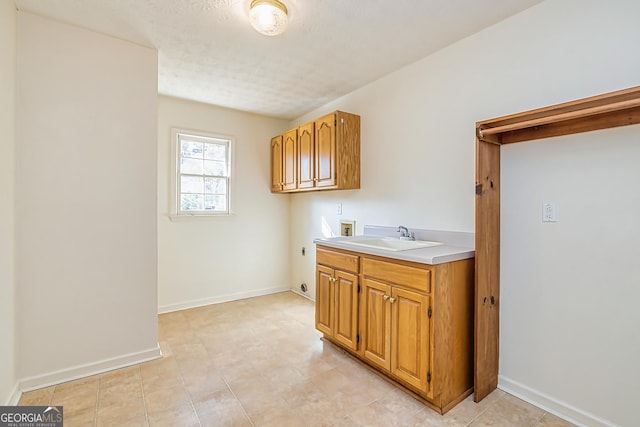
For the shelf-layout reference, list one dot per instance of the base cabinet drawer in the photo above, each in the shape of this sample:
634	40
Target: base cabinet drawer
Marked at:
398	274
338	260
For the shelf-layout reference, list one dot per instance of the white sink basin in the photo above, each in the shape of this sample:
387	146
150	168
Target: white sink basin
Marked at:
390	243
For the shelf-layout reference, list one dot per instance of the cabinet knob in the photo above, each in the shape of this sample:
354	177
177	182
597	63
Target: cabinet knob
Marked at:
385	297
392	300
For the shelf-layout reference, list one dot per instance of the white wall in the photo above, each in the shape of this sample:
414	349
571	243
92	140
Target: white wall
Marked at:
569	324
7	201
85	201
418	170
202	261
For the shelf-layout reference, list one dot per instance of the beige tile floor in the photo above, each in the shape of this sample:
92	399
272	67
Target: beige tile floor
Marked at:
260	362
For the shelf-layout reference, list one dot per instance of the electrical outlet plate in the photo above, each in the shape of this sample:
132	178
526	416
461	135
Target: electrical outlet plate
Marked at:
339	209
549	212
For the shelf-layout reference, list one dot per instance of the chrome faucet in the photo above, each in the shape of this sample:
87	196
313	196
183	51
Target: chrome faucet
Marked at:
404	233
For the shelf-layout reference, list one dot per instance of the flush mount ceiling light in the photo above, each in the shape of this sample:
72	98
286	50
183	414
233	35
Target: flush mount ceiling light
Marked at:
268	17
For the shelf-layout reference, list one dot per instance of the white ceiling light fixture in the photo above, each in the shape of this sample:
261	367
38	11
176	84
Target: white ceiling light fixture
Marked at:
268	17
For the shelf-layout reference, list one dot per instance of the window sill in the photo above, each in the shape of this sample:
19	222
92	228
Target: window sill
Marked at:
181	218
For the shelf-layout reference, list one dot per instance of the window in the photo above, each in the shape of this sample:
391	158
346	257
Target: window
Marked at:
202	171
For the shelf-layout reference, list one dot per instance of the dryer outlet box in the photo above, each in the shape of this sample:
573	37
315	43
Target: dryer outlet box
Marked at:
347	227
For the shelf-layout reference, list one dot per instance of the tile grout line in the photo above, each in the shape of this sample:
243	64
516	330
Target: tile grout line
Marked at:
194	410
184	384
95	412
144	401
539	419
483	411
244	411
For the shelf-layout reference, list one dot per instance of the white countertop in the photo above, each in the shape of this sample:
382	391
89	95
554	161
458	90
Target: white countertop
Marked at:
447	252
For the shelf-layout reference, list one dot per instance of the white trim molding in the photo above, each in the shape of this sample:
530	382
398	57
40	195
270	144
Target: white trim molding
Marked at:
552	405
88	369
14	397
220	299
302	294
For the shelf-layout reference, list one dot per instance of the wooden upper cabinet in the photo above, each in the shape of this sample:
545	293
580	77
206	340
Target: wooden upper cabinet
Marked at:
290	160
326	155
276	163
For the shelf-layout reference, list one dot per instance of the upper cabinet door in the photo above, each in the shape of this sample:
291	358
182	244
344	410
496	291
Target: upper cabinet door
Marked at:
326	151
306	156
289	172
276	163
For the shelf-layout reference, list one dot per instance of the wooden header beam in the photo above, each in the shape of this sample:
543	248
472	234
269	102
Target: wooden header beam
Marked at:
614	109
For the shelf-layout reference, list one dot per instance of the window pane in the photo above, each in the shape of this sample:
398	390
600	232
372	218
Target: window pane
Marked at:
215	168
203	173
215	185
215	203
215	152
191	184
192	149
192	166
192	202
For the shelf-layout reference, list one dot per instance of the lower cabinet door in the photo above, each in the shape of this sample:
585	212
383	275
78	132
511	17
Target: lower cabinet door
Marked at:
346	309
324	300
376	342
410	347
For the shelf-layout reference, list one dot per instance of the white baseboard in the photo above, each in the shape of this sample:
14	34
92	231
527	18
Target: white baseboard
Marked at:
550	404
219	299
85	370
302	294
14	397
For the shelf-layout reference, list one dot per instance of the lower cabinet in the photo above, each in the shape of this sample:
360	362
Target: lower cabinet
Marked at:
411	322
337	299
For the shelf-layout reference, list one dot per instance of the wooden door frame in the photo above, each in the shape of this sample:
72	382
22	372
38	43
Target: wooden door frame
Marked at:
610	110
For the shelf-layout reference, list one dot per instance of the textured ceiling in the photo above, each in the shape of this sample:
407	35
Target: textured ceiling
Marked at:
208	52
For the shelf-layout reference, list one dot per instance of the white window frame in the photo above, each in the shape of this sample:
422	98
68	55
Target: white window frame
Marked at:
175	213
